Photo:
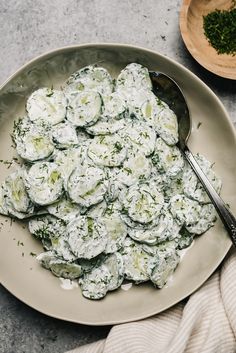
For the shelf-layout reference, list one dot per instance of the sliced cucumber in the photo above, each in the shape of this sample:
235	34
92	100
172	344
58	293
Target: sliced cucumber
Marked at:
33	141
116	231
167	126
138	264
46	227
64	209
185	210
191	185
68	160
15	193
134	75
46	258
106	277
44	183
165	266
64	135
114	106
90	77
85	109
87	185
140	137
136	168
150	109
87	237
167	159
98	210
107	150
206	221
143	202
62	249
48	105
166	228
105	126
61	268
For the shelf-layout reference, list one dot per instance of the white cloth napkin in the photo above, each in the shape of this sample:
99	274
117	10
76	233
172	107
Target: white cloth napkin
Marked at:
205	323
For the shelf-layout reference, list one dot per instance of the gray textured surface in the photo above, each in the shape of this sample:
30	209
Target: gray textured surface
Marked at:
29	28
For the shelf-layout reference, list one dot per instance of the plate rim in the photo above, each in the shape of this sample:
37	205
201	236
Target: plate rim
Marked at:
187	71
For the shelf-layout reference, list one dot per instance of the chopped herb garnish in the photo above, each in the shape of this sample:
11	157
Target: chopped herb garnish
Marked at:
199	124
118	146
220	30
128	170
33	254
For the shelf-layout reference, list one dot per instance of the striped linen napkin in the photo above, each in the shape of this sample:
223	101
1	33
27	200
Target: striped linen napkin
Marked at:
204	323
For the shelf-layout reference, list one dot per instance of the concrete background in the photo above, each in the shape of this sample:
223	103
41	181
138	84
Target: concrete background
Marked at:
29	28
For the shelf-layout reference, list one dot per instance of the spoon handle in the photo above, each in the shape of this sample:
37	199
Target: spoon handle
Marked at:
226	216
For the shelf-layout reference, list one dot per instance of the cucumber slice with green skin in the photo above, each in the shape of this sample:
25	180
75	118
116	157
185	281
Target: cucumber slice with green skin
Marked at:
65	210
167	126
115	264
61	247
164	268
87	185
136	225
85	109
139	138
44	183
97	211
167	159
111	120
87	237
109	150
166	248
15	193
150	109
6	205
106	277
174	186
105	126
46	258
138	264
192	187
83	137
90	77
33	141
136	168
207	219
48	105
64	135
64	269
185	239
69	159
185	210
46	227
114	106
134	75
143	202
165	229
134	100
116	231
88	265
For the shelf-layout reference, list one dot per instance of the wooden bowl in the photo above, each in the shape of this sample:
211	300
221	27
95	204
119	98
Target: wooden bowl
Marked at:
191	27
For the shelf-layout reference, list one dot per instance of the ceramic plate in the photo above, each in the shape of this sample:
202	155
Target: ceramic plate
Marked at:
19	271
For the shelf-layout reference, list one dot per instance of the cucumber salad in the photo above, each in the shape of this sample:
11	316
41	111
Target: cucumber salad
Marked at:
103	184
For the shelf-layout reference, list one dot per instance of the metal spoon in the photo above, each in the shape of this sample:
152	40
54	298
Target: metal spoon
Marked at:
168	90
